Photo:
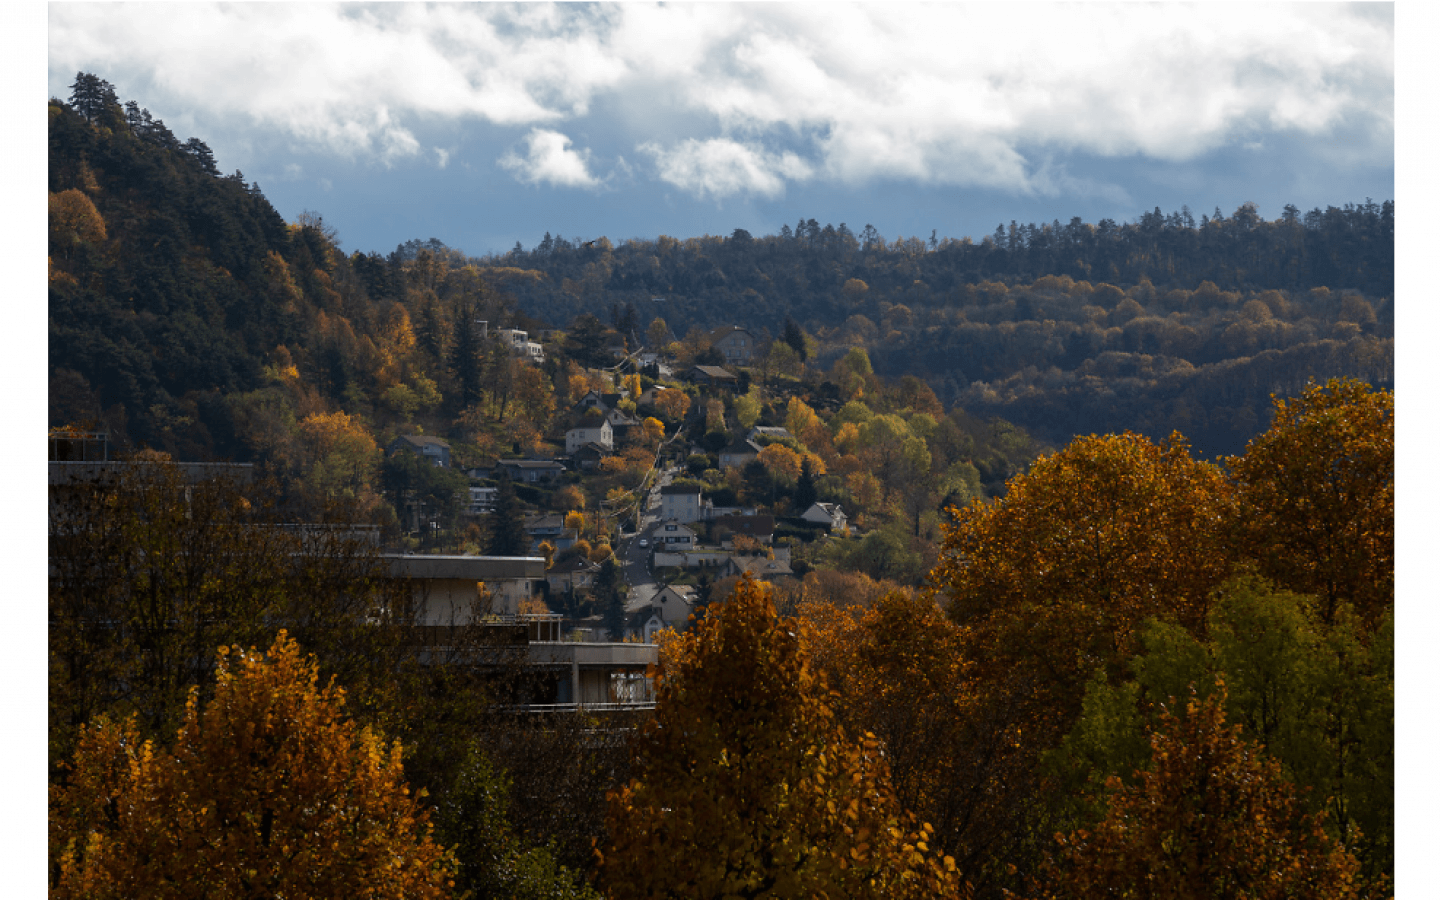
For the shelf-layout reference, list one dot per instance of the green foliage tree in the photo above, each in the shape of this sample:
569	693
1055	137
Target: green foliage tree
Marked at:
1213	816
473	818
1319	697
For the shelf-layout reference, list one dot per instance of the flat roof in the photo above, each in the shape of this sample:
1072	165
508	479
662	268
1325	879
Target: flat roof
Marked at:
468	568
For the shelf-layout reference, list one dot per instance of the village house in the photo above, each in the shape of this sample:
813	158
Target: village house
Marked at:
482	500
426	447
673	536
573	574
736	345
724	529
828	514
770	433
757	567
531	471
521	345
712	376
738	454
680	503
590	431
588	457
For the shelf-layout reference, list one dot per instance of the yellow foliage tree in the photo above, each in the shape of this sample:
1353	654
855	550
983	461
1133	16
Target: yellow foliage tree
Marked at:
799	417
1317	496
271	790
745	785
343	456
74	220
1092	541
781	460
672	404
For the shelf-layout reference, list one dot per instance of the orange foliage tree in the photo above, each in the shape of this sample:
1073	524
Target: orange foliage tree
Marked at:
898	670
271	790
1095	539
745	785
1212	817
1317	495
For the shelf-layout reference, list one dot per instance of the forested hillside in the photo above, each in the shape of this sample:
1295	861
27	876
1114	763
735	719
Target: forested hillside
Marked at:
173	288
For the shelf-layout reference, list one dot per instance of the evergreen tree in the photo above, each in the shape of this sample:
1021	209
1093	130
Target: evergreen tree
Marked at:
92	96
795	337
611	598
805	493
466	360
507	524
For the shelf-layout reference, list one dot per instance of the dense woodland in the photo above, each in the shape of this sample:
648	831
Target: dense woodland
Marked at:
1047	666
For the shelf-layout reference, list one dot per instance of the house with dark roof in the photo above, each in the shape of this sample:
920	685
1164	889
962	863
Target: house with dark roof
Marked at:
574	574
531	470
680	503
828	514
588	457
739	453
590	430
724	529
425	446
712	376
757	567
735	344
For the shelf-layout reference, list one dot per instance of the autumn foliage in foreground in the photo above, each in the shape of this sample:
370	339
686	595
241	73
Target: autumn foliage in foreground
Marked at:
1212	817
745	785
269	791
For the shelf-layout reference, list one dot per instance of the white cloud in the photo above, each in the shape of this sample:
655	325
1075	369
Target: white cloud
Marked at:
549	159
720	168
730	98
442	156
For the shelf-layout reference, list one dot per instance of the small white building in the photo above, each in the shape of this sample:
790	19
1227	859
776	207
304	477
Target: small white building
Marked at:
590	432
680	503
673	536
828	514
521	345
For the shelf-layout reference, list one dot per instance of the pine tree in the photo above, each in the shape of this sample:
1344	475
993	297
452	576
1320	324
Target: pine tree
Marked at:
92	96
507	525
611	598
466	357
795	337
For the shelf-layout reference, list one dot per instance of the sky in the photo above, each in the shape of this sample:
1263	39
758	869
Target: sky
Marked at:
484	125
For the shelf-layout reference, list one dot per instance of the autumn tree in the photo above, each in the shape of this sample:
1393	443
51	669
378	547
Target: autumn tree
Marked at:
898	669
746	786
673	404
1317	496
1212	817
74	221
1096	538
270	789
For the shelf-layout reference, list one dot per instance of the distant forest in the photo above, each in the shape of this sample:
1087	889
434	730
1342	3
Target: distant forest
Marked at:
175	290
